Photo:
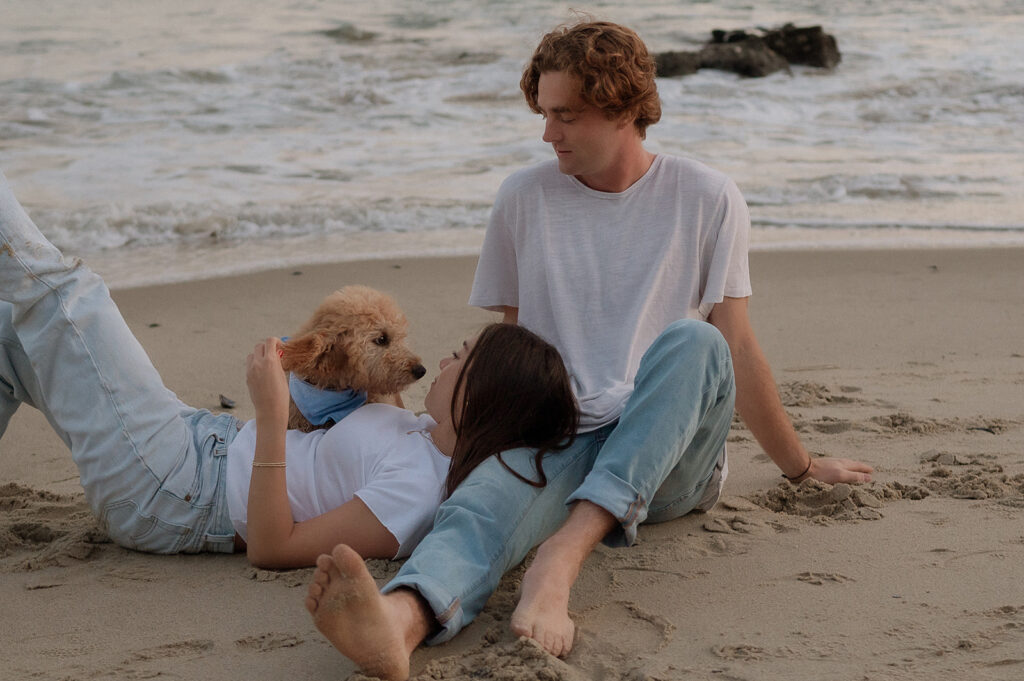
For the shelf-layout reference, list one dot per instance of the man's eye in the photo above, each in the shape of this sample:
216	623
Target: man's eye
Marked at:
455	355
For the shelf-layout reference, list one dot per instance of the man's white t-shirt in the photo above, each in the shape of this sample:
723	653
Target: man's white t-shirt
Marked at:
379	453
600	275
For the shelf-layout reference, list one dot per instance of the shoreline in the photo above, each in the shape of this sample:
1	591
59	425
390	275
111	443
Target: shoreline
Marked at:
148	266
912	360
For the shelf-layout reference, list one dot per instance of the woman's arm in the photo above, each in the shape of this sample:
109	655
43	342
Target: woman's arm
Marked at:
274	539
352	523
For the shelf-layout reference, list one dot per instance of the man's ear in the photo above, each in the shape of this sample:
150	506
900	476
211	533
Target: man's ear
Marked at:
625	121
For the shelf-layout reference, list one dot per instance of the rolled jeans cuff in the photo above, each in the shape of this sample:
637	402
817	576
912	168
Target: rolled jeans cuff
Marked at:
447	608
619	498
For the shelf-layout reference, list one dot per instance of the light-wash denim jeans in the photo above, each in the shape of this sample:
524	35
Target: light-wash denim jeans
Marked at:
152	467
663	458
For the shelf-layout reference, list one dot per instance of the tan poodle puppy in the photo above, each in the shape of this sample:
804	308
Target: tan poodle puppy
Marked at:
354	340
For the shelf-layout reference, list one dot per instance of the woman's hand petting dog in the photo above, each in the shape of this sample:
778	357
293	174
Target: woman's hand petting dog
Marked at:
267	381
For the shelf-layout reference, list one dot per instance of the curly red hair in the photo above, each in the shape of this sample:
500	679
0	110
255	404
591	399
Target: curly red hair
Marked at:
611	64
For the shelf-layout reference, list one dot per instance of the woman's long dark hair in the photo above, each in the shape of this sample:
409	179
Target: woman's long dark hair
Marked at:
515	393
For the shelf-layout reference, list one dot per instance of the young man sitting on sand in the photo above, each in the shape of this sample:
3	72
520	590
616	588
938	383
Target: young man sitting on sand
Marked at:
634	265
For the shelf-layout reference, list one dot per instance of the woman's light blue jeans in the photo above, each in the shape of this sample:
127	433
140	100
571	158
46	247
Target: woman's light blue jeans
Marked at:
152	467
658	462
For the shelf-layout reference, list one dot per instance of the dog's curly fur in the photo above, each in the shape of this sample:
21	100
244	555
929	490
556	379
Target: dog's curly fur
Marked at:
355	339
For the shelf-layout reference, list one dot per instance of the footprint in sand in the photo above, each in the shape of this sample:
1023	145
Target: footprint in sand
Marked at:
131	573
735	524
740	652
804	394
831	426
192	648
828	425
820	578
622	629
269	641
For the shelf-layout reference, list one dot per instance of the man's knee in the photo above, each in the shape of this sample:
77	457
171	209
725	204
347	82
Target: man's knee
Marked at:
693	331
688	338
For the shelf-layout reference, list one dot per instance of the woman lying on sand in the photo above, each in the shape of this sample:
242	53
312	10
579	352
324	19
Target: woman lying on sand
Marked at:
167	478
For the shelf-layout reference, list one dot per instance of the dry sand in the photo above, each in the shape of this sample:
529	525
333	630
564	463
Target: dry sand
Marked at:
912	361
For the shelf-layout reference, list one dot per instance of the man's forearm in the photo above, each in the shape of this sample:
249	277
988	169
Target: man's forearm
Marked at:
758	403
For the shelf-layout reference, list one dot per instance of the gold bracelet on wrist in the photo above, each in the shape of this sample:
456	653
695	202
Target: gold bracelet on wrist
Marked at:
269	464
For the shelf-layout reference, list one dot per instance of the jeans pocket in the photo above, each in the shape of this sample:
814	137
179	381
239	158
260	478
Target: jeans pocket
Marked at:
128	526
184	480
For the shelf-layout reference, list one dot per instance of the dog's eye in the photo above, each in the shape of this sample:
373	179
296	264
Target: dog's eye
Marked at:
381	340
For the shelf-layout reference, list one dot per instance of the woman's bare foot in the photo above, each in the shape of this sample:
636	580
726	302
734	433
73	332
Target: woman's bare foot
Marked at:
376	632
543	610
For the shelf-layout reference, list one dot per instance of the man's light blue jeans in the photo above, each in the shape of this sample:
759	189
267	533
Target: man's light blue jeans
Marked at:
663	458
152	467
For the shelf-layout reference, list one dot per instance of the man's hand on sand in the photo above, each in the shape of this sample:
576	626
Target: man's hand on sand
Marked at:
827	469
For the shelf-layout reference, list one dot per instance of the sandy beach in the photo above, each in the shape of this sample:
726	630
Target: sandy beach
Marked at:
910	360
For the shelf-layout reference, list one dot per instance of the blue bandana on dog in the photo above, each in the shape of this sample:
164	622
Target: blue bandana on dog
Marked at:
320	405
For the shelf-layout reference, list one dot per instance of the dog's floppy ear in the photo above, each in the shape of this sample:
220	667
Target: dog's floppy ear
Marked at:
301	353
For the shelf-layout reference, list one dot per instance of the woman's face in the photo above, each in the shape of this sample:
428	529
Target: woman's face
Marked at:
439	396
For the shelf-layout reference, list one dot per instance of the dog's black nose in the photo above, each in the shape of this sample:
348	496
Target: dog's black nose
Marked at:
419	371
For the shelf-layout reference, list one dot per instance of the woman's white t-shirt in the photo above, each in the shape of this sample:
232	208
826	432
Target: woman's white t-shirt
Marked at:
379	453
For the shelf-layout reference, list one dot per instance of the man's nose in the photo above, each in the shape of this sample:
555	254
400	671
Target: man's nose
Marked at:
552	132
445	361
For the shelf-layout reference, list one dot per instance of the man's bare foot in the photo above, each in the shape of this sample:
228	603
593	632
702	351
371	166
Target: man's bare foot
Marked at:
543	610
376	632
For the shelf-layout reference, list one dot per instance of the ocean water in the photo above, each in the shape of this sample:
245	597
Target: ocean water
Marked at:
175	141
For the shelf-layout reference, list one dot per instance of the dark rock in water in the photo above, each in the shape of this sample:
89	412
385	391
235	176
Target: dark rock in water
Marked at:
810	46
750	57
668	64
347	33
754	54
720	36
